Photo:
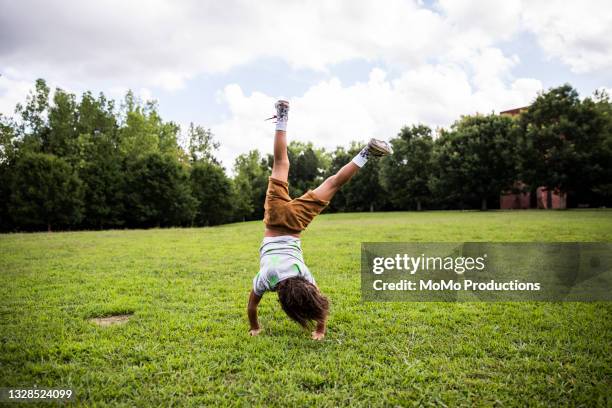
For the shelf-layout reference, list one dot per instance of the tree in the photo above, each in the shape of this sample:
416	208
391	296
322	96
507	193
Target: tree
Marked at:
476	159
596	187
406	173
8	139
306	167
129	165
338	158
96	116
144	132
561	140
62	138
201	144
211	187
104	183
158	193
214	192
251	181
8	152
45	193
34	128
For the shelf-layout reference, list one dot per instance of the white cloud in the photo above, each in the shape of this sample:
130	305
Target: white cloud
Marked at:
446	60
12	91
165	43
329	114
485	18
162	43
576	32
579	33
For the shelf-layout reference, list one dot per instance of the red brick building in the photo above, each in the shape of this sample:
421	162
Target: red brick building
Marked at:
516	201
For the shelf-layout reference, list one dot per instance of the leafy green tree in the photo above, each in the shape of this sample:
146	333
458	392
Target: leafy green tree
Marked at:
45	193
144	132
602	160
19	137
201	144
476	159
168	138
6	223
158	193
8	152
62	138
242	192
338	158
8	139
211	187
96	116
406	174
214	192
251	182
104	183
34	127
306	170
561	139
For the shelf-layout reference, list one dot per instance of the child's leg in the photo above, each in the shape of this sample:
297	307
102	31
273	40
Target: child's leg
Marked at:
332	184
277	194
280	168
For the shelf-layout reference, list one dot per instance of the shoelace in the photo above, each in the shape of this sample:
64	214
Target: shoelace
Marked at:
272	117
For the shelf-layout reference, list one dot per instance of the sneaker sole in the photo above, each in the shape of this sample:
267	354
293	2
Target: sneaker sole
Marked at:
378	149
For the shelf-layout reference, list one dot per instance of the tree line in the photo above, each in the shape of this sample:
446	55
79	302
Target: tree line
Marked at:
86	163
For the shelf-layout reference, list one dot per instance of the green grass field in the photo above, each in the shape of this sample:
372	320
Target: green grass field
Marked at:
187	343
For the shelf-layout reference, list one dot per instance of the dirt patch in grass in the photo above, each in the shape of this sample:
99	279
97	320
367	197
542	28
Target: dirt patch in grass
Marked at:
111	320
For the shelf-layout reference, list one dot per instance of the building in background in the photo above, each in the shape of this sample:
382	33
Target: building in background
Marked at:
526	200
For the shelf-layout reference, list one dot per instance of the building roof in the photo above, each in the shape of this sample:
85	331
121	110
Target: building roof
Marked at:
514	111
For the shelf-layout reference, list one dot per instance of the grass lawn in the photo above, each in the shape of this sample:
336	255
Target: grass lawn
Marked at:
187	343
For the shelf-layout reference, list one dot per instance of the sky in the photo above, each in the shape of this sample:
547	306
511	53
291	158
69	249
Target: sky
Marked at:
351	69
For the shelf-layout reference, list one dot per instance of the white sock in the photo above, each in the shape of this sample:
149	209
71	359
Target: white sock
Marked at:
282	115
362	157
281	125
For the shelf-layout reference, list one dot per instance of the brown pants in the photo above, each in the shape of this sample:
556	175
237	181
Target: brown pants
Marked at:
287	215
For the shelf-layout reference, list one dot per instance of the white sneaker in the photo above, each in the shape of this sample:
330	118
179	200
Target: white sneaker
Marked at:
378	148
282	111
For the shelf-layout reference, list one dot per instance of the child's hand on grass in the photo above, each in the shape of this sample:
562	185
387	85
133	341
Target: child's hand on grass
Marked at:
318	335
319	331
255	332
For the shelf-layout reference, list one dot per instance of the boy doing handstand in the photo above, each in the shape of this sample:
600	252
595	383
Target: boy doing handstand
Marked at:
282	267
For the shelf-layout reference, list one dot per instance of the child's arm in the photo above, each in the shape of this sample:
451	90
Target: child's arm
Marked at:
319	332
252	313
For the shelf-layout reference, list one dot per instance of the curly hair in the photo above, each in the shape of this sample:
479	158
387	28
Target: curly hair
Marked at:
302	301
